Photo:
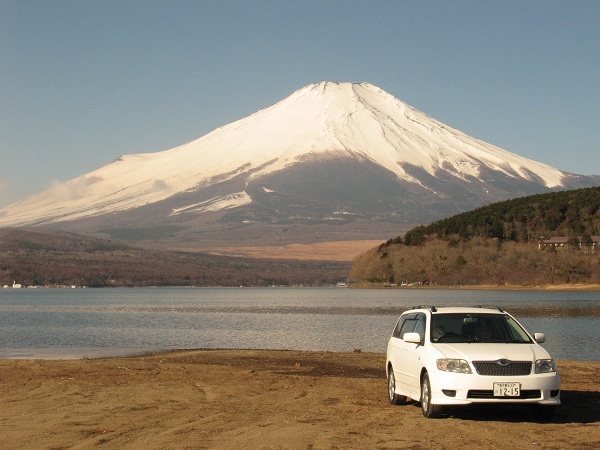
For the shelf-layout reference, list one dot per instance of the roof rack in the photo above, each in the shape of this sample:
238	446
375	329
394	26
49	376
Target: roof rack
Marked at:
489	307
429	307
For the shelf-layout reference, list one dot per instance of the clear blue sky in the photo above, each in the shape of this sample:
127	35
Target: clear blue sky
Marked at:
83	82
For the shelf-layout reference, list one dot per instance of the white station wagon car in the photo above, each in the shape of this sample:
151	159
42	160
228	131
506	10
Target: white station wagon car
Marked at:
464	355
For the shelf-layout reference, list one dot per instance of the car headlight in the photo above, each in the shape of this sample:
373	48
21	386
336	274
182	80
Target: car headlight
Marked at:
453	365
545	366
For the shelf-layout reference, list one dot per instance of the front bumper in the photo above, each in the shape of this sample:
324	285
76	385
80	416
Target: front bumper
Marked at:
463	389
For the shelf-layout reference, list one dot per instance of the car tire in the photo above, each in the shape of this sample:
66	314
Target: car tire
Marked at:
394	398
430	411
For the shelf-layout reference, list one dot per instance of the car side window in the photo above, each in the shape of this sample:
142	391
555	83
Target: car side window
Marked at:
404	325
420	326
399	324
408	327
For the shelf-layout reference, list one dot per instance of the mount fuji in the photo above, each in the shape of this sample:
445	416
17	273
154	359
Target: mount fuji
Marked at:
332	161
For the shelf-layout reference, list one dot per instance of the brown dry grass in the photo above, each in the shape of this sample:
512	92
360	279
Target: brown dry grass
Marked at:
343	251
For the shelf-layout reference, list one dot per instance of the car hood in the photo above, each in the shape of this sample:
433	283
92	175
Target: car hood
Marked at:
492	352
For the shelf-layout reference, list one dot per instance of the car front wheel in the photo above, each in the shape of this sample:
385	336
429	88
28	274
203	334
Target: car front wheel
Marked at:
394	398
430	411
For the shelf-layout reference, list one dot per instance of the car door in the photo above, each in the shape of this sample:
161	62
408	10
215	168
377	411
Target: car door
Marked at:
401	359
412	357
396	345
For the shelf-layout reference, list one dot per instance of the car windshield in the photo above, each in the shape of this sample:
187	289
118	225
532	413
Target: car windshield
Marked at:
477	328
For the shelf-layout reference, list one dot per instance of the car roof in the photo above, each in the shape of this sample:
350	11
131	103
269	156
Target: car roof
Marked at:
457	309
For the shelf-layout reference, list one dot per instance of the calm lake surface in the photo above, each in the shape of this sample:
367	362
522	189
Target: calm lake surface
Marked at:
77	323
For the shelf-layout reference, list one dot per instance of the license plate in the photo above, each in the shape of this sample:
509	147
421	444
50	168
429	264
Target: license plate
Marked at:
507	389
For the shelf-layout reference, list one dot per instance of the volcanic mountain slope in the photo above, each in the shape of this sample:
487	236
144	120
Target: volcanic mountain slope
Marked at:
342	154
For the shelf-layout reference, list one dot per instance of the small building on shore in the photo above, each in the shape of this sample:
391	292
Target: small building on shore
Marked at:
590	245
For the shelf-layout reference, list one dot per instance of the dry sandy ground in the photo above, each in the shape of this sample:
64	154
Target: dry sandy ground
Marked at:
263	400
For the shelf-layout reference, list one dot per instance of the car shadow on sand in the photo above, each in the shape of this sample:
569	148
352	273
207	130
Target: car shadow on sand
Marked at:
576	407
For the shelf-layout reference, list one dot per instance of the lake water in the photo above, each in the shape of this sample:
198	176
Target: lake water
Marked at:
77	323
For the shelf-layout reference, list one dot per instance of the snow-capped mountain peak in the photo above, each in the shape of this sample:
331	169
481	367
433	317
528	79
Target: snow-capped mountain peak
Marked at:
320	122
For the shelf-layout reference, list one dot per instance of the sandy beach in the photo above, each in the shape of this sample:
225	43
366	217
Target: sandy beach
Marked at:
265	400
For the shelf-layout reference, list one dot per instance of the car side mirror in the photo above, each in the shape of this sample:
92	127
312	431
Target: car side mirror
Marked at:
412	337
540	338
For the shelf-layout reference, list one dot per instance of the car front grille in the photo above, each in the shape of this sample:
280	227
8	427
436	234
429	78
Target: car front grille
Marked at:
503	368
489	394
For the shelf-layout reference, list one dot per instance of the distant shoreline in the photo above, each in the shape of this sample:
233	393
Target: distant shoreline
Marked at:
483	287
552	287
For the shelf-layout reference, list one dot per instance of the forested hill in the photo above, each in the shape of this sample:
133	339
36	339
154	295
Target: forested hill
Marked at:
526	219
496	245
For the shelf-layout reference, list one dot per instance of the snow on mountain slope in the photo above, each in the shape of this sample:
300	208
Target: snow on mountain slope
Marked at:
216	204
322	120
